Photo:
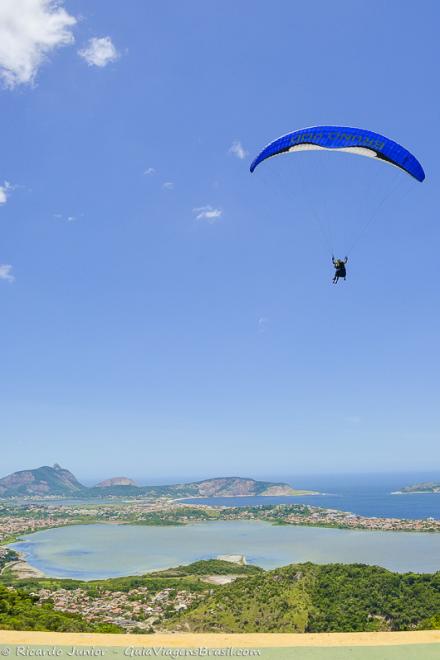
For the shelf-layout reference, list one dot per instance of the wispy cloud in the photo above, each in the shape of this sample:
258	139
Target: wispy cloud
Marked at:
149	171
168	185
99	51
237	150
262	324
29	31
208	213
66	218
4	192
6	273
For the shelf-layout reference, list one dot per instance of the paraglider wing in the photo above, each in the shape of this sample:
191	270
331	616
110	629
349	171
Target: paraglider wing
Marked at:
344	138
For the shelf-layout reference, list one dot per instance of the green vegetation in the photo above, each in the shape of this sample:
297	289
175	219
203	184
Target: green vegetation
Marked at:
371	598
433	623
271	512
210	567
94	587
311	598
296	598
178	516
180	577
6	557
18	611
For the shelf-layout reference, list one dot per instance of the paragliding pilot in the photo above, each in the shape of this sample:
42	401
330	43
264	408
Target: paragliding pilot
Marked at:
340	271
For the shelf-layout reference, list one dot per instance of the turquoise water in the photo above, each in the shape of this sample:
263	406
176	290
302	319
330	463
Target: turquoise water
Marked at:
100	551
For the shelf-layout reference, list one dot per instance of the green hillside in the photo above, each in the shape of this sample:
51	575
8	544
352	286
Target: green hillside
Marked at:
297	598
310	598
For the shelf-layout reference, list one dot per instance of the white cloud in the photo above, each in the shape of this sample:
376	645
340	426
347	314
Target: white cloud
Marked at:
4	192
29	30
168	185
149	171
99	51
208	213
237	149
262	324
6	273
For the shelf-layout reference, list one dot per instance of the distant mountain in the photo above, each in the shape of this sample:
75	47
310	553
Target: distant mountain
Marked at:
50	481
116	481
41	481
237	487
219	487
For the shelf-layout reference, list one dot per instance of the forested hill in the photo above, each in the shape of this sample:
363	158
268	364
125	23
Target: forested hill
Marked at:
310	598
56	481
296	599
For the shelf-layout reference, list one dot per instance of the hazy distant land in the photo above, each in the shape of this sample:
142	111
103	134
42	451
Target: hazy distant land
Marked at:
54	481
426	487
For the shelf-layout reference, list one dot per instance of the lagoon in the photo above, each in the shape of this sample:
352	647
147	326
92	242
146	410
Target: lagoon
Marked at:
102	551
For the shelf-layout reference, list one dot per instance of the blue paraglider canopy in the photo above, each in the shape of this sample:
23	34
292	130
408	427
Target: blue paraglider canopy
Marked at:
344	138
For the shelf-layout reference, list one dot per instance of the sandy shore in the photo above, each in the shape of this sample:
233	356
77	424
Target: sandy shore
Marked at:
259	640
21	570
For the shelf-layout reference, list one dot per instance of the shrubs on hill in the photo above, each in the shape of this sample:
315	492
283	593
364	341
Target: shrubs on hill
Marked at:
296	598
210	567
311	598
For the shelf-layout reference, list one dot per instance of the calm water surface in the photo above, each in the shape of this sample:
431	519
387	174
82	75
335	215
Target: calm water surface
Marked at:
364	494
100	551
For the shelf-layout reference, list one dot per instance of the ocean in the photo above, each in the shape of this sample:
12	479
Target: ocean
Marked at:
363	494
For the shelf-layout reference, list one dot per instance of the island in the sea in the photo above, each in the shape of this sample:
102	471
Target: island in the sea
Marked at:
425	487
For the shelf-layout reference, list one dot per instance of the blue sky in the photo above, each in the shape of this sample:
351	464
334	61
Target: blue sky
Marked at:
165	314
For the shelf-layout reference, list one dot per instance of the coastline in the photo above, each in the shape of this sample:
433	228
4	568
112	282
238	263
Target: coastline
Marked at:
415	492
295	493
22	570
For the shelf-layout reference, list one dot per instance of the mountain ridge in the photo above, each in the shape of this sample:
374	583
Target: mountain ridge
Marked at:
56	481
44	480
